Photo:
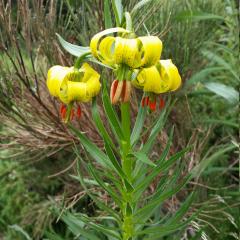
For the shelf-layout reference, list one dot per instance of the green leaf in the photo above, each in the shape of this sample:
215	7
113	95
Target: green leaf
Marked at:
107	14
157	128
159	168
143	158
230	123
108	231
162	230
99	124
142	112
221	61
114	161
141	170
73	49
108	189
139	5
18	229
99	203
227	92
118	11
128	19
155	202
197	16
204	163
177	216
203	75
92	149
111	115
53	236
77	227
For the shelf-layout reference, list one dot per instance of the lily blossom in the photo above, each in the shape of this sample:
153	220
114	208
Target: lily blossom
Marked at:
73	85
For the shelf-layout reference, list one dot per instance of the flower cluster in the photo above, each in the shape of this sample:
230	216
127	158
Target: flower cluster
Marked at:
135	61
140	57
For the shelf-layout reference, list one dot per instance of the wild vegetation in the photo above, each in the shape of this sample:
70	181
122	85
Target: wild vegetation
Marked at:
41	197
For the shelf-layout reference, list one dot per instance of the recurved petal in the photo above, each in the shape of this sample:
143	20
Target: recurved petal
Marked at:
151	48
170	74
55	76
96	41
83	88
106	49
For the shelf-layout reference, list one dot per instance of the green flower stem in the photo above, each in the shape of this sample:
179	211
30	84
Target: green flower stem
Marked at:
128	226
126	146
69	109
81	59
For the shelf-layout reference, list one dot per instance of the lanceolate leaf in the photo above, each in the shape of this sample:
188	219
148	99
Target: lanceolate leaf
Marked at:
108	231
99	203
182	210
107	14
157	128
114	161
142	112
128	20
72	48
139	5
155	202
227	92
198	16
100	125
143	158
92	149
108	189
118	11
111	115
140	169
162	230
159	168
77	227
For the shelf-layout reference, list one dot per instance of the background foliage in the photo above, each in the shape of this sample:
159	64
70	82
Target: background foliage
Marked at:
37	162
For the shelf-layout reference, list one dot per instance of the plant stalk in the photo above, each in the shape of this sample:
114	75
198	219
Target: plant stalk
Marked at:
128	226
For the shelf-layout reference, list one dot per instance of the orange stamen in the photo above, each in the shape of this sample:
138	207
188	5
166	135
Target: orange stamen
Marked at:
63	112
79	112
152	105
62	106
161	103
147	101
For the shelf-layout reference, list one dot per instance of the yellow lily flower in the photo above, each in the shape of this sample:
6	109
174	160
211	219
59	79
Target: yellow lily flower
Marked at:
134	52
80	85
73	85
170	74
55	76
163	77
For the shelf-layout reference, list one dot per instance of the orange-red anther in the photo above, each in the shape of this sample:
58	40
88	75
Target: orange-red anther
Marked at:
161	103
63	111
79	112
72	114
147	101
152	105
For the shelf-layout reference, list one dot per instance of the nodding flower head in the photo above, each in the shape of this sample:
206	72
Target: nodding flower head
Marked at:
161	78
134	52
73	85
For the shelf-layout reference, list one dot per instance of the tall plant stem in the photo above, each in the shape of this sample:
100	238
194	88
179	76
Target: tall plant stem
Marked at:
126	146
128	226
